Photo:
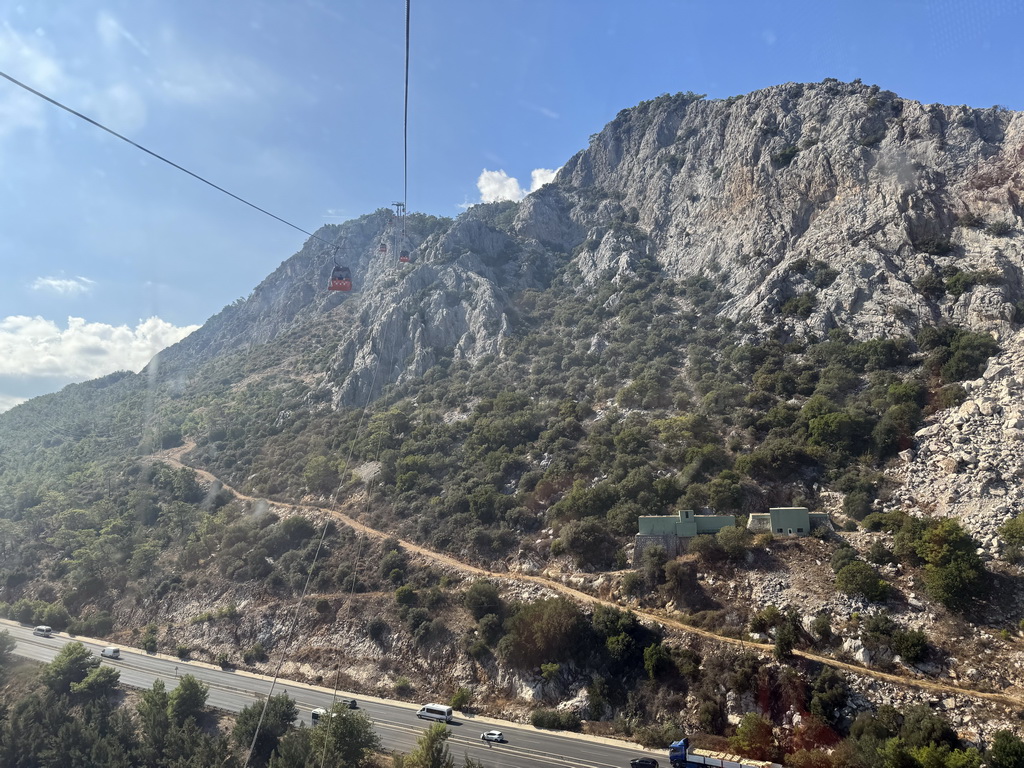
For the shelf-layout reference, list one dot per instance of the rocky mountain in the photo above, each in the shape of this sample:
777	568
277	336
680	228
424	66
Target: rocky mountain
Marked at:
968	462
781	299
816	206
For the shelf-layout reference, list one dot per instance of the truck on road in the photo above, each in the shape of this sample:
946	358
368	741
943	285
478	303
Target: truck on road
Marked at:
681	756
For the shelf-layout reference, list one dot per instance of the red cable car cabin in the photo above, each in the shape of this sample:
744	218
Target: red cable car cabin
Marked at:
404	257
341	280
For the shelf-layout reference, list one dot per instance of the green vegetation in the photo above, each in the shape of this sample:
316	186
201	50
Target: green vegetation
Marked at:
70	717
1000	228
260	727
554	719
431	751
860	580
632	396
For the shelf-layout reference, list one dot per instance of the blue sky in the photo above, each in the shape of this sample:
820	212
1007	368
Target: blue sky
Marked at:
109	255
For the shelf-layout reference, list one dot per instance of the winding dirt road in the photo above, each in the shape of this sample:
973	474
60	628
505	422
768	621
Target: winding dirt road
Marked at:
174	457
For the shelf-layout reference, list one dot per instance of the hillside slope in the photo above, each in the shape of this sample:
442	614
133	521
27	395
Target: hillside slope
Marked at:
718	305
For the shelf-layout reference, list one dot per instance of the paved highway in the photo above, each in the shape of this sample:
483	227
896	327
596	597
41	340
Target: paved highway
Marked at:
395	721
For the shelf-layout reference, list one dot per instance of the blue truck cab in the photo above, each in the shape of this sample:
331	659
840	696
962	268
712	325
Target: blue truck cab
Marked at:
677	753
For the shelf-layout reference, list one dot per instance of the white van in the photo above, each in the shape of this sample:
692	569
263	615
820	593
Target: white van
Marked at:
110	652
42	630
435	712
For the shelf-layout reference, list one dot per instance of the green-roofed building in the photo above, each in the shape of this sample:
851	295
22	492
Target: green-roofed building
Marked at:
673	531
787	521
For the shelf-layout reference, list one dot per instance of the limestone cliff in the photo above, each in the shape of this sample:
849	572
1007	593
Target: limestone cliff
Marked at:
815	206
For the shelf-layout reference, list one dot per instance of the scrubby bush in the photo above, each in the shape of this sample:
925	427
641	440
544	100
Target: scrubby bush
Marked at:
879	554
633	584
482	598
911	645
554	719
821	628
734	541
707	548
544	630
842	558
857	505
1000	228
405	595
859	579
765	619
754	738
461	698
254	654
658	736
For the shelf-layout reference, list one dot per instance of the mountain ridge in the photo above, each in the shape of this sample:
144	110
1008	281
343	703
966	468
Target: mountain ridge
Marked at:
718	305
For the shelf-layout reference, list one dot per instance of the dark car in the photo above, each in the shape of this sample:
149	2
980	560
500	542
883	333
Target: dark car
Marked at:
643	762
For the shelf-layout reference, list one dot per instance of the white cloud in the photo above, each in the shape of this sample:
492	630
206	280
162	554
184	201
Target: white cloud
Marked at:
498	185
63	285
37	347
8	401
541	176
111	32
29	59
29	63
545	111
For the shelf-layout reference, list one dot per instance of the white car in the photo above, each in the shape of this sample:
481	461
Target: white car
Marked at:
492	736
110	652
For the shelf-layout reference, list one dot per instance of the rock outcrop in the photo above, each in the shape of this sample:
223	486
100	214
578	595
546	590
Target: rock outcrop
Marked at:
969	460
814	206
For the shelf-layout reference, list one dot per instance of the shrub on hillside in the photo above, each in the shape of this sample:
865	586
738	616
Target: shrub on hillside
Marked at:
842	558
554	719
589	542
707	548
553	629
911	645
734	541
858	579
482	598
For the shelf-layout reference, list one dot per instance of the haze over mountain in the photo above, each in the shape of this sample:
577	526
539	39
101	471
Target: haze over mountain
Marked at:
723	305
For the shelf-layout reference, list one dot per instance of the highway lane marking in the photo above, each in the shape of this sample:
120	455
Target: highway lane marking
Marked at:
158	666
527	752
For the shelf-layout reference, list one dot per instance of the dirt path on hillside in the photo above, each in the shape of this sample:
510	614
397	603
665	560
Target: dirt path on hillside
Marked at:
174	456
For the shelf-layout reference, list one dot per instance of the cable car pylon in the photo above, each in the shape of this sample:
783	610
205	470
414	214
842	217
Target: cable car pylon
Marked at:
403	253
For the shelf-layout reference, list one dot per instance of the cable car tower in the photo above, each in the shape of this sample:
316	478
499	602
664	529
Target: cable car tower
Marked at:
400	240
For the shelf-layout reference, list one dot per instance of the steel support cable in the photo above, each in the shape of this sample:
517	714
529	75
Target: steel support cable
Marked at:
161	158
359	546
309	574
362	417
383	409
405	117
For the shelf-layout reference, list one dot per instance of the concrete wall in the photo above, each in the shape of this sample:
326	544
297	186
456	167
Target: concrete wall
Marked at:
787	521
644	541
681	524
712	524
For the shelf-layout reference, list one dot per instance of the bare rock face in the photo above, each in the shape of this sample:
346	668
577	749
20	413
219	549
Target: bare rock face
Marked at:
970	458
845	194
814	206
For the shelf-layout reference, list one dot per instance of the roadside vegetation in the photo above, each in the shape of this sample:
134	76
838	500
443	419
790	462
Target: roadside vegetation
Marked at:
630	397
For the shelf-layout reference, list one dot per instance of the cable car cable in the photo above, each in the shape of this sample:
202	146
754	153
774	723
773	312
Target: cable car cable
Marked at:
160	157
362	418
